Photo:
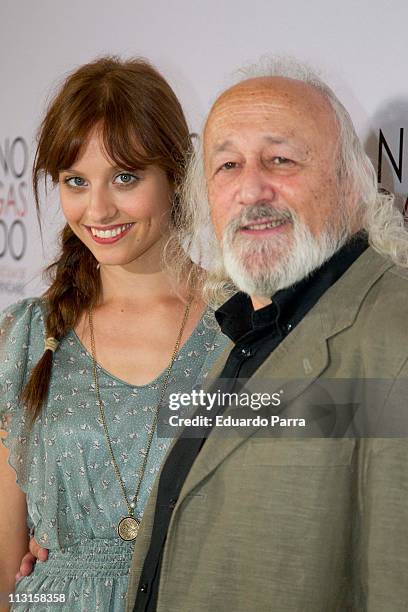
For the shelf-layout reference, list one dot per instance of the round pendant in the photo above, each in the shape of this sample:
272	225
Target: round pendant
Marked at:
128	528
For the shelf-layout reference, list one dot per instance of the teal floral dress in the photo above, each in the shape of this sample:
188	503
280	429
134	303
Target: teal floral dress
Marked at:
63	466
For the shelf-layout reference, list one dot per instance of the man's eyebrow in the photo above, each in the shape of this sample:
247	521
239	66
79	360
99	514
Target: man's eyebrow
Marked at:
222	146
275	140
227	144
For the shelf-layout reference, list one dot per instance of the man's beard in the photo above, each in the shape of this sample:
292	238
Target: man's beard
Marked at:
261	266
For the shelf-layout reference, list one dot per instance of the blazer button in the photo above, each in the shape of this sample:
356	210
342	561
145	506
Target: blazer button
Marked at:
144	587
172	502
246	352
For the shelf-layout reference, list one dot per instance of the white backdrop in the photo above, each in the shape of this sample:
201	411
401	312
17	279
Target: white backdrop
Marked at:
360	46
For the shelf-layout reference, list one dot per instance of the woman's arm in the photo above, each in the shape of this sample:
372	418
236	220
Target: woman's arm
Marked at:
13	525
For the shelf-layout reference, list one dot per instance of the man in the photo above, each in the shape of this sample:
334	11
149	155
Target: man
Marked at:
257	523
249	522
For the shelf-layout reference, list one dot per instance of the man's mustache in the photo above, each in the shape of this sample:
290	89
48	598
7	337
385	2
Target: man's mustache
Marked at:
256	213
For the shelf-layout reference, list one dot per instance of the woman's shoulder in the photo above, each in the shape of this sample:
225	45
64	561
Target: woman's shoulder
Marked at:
24	305
22	317
210	332
21	344
21	339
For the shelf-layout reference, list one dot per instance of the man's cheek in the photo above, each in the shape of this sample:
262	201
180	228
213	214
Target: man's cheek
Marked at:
219	218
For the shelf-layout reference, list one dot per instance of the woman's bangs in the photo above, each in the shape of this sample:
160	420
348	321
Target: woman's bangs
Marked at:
124	143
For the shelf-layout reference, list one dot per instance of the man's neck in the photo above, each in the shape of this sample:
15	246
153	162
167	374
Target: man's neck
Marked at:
259	302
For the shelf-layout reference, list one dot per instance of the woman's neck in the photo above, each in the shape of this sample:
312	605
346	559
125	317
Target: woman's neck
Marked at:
121	285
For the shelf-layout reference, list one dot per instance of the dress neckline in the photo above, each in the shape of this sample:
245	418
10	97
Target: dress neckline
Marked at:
159	377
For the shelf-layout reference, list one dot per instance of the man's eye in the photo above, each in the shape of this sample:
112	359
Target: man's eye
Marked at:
125	178
228	165
279	160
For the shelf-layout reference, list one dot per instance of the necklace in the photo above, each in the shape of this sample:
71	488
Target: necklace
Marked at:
128	526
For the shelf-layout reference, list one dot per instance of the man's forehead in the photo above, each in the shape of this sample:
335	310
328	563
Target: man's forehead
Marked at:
260	99
283	90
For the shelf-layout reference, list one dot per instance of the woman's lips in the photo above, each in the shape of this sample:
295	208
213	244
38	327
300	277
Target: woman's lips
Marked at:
110	233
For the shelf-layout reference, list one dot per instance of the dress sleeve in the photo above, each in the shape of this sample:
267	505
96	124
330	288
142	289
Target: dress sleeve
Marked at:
21	345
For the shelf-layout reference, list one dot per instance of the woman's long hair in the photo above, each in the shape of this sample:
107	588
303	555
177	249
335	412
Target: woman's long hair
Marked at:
141	123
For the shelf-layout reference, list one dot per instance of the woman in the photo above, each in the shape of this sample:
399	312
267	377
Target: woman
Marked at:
117	330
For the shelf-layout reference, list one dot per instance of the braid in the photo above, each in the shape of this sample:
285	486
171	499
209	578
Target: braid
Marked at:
75	287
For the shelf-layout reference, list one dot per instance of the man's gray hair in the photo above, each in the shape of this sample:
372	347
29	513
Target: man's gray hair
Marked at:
383	222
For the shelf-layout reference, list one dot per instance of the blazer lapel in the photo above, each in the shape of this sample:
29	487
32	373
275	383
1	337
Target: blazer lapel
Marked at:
288	366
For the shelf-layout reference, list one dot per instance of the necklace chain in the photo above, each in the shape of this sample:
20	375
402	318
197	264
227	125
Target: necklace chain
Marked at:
132	505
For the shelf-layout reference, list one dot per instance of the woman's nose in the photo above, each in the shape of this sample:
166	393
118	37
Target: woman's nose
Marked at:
101	205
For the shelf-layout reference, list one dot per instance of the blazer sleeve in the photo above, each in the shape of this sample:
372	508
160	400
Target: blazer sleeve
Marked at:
383	550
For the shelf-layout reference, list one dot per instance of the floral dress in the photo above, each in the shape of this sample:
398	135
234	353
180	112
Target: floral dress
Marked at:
64	468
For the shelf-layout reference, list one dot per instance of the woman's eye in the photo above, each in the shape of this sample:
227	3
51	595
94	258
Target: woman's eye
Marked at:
125	178
75	181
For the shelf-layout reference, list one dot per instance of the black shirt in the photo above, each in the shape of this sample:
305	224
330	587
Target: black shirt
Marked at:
255	333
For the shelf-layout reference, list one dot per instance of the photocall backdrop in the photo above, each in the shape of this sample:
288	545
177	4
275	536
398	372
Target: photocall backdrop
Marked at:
360	47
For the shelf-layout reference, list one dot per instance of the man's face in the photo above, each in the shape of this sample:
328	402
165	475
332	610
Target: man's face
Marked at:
271	151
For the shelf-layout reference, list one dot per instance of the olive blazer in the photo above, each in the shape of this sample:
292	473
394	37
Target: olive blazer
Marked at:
301	524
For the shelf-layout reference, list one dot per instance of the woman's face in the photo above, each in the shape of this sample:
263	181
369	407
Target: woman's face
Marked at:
122	217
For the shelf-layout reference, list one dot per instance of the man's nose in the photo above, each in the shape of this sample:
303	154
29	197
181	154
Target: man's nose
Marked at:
255	185
101	205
